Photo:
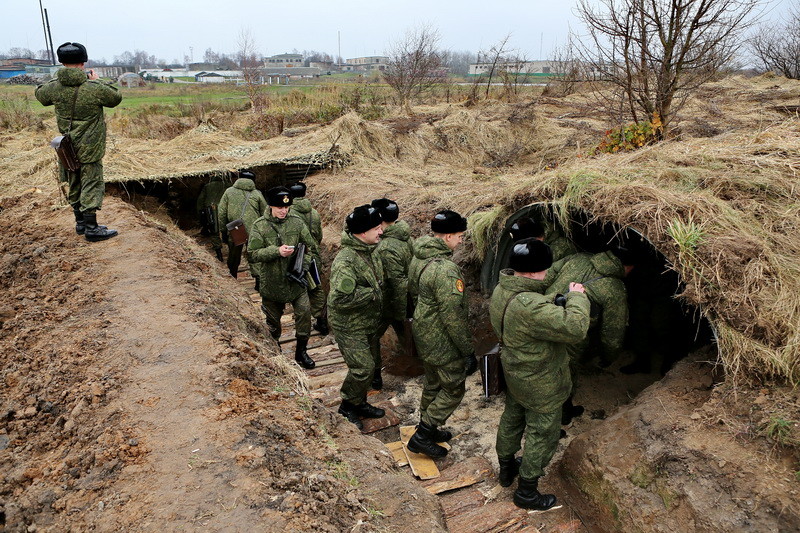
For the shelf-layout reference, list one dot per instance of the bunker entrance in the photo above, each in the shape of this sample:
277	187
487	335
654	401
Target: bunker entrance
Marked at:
661	330
175	199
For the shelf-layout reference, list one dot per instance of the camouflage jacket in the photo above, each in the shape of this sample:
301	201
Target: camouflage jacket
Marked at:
267	234
535	333
88	126
212	193
356	294
232	201
302	208
441	317
559	244
395	251
602	275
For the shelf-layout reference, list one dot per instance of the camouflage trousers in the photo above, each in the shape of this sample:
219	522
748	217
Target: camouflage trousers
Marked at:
541	432
358	350
318	299
302	315
86	186
442	391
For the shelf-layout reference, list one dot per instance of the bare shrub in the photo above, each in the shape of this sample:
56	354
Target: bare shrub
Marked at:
414	63
778	49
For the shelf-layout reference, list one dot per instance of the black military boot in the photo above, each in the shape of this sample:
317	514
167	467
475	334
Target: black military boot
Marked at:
218	253
440	435
300	354
369	411
509	468
257	285
80	225
349	411
423	441
377	380
570	411
321	325
93	232
527	495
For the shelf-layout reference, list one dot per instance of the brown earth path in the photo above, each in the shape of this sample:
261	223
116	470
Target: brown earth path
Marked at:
174	414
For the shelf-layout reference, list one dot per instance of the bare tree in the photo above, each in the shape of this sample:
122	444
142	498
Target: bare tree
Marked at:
494	58
657	51
778	49
250	63
414	64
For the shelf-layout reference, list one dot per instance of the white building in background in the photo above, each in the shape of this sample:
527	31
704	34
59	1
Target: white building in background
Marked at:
528	68
284	61
367	63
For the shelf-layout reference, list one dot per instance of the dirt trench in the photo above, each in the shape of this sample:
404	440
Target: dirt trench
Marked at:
138	395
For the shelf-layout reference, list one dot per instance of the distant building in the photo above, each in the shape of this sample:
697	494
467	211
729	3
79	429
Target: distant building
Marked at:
22	62
284	61
10	71
217	76
366	63
524	68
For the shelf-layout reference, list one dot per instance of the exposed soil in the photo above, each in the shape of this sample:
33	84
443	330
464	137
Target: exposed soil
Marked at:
139	395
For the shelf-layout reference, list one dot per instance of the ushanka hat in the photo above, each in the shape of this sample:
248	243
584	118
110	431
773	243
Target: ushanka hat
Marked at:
363	218
387	208
72	54
530	255
247	174
298	189
448	222
524	228
279	197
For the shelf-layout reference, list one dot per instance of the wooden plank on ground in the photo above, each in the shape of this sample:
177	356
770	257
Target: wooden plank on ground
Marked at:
329	362
461	501
371	425
326	380
462	474
291	338
421	465
494	517
399	455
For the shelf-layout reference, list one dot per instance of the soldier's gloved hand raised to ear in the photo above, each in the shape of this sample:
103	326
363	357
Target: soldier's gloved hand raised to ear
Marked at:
471	364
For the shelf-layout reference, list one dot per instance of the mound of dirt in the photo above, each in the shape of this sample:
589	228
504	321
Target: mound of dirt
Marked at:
139	393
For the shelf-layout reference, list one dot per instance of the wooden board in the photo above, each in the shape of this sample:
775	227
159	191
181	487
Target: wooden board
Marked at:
326	380
421	465
397	452
329	362
462	474
495	516
371	425
461	501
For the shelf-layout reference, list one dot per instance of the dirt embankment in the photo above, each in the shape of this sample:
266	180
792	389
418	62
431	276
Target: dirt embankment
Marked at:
138	394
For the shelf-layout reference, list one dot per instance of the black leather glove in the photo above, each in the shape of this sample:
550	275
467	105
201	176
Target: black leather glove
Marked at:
471	364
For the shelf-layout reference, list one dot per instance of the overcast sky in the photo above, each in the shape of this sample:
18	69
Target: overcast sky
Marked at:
172	29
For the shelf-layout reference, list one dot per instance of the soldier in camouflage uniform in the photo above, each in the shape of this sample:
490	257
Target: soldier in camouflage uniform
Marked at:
301	206
558	243
534	333
207	206
354	308
240	201
602	275
441	330
273	239
395	250
73	88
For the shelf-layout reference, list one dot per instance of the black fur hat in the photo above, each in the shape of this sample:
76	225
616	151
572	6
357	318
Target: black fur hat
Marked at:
530	255
72	54
279	197
387	208
363	218
445	222
524	228
247	174
298	189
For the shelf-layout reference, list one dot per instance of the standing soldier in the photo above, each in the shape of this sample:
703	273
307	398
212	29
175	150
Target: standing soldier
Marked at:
79	99
534	333
240	201
441	330
354	305
273	240
602	275
395	251
301	206
207	207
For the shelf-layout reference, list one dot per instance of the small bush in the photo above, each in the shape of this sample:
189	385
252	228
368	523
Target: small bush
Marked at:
630	137
16	114
780	431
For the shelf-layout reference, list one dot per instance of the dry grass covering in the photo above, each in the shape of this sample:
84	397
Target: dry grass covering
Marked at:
720	200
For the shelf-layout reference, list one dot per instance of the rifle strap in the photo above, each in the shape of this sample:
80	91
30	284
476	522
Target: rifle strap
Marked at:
245	204
72	113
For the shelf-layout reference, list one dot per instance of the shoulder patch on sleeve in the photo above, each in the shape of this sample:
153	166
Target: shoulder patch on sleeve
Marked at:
459	286
347	285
